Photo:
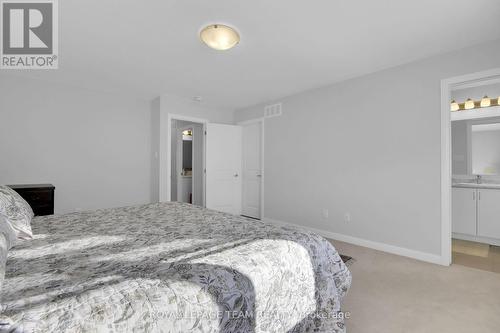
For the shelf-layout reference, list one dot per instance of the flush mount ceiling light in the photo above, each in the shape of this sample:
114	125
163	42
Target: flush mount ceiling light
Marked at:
220	37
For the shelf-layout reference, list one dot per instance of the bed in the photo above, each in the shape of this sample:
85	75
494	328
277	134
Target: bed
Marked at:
171	267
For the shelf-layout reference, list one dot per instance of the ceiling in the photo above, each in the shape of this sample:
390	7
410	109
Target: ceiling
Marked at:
146	48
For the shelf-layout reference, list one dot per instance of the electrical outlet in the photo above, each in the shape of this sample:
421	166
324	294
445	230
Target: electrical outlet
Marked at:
347	217
325	213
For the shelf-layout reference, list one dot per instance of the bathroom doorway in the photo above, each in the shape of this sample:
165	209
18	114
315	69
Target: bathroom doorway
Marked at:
187	146
470	179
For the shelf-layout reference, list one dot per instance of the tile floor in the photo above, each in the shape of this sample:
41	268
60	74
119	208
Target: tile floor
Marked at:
490	262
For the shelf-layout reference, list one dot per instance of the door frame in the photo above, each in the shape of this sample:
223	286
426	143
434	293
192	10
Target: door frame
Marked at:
447	85
166	163
262	182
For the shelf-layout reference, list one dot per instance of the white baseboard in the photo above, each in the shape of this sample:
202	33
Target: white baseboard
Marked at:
400	251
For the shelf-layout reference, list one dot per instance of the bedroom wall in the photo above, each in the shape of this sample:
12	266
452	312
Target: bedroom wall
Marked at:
94	147
155	148
370	147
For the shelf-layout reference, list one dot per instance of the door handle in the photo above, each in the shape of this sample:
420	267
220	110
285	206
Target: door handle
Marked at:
259	175
235	175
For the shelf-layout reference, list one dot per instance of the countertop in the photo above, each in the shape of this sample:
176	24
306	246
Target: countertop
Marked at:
492	186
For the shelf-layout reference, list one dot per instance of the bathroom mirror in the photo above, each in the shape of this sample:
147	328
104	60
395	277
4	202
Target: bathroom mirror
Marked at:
485	148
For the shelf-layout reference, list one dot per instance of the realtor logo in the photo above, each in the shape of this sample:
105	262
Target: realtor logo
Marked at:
29	34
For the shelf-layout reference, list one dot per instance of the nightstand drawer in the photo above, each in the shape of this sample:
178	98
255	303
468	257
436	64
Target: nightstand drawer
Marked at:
38	196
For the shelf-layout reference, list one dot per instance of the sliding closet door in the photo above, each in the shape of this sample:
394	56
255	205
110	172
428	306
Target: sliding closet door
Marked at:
223	164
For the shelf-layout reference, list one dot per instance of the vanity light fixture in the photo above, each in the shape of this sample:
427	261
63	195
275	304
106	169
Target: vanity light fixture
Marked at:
454	106
485	102
220	37
469	104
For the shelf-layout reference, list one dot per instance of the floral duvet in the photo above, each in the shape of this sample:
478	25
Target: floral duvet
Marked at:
171	267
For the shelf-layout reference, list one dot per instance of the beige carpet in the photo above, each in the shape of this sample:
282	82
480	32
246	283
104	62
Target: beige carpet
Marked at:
471	248
392	294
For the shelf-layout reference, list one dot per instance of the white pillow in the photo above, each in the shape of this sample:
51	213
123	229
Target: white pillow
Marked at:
8	233
16	212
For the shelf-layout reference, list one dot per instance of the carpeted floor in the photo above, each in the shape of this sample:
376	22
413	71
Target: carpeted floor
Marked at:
392	294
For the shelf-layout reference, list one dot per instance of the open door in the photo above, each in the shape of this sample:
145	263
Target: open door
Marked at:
252	169
223	168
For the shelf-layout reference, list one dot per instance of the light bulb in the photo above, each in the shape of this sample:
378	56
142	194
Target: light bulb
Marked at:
485	102
469	104
454	106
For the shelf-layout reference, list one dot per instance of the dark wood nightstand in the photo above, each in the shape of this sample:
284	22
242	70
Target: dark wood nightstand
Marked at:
39	196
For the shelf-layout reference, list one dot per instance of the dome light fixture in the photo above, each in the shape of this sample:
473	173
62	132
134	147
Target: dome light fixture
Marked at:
219	37
454	106
485	102
469	104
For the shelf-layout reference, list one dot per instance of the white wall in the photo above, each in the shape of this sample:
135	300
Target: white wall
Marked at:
368	146
155	148
94	147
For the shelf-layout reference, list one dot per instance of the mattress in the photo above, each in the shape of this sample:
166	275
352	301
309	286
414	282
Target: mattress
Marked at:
171	267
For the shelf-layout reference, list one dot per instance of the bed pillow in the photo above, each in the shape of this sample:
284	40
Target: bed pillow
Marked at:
3	257
17	212
9	234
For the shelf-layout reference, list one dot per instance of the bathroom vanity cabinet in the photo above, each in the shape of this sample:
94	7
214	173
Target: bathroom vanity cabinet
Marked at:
476	214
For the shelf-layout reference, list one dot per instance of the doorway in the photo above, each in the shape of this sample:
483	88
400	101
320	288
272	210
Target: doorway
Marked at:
462	201
221	159
187	151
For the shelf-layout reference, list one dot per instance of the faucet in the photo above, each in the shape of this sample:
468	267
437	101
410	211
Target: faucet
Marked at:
478	179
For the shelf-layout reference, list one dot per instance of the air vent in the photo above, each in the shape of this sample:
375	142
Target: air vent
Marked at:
273	110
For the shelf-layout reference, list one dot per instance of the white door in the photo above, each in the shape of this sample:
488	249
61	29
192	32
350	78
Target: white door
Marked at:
252	169
198	165
464	211
223	164
489	213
